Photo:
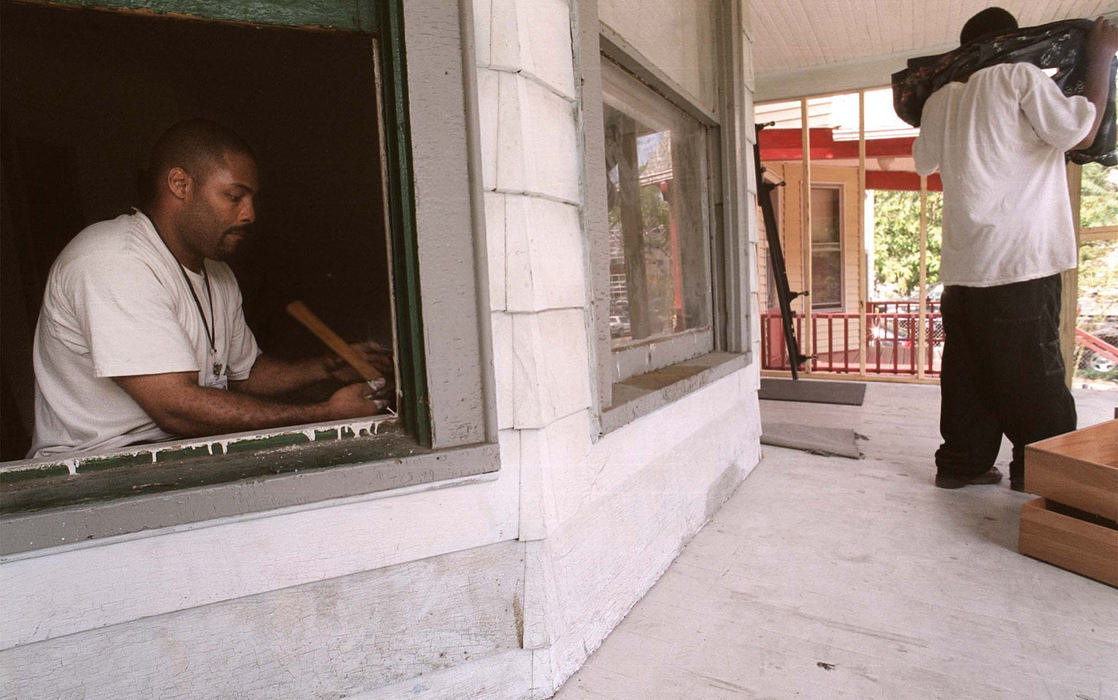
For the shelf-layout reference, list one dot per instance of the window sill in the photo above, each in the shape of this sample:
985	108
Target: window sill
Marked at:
44	505
638	396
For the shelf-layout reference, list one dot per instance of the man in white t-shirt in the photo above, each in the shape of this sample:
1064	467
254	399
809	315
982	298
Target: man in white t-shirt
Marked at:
141	335
998	137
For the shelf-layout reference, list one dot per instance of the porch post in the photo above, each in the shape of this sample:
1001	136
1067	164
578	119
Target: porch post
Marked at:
805	231
1070	279
863	273
921	340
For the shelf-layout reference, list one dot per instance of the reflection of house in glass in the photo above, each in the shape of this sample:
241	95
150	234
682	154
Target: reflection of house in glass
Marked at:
660	244
655	210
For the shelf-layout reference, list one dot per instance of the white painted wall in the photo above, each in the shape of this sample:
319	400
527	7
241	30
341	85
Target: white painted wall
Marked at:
677	35
601	518
518	576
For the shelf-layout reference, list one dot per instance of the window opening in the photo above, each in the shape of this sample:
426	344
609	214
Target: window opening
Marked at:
87	92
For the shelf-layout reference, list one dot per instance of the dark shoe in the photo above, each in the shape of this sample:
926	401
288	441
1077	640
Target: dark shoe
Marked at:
1017	484
958	481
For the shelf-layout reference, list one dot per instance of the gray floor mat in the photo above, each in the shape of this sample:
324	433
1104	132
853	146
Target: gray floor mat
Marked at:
812	391
840	442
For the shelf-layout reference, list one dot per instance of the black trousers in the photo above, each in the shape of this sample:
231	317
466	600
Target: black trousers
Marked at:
1002	373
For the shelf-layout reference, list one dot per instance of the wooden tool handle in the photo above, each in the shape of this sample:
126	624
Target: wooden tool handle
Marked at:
314	324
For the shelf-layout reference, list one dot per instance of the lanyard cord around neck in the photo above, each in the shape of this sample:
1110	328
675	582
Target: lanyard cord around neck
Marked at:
211	333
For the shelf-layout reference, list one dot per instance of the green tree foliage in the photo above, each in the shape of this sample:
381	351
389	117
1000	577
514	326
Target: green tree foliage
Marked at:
1099	196
1098	260
896	239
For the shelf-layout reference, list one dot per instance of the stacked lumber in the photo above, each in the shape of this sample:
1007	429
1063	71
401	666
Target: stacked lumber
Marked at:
1074	524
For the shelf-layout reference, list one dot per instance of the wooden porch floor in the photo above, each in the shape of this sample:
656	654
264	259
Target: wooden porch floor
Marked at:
827	577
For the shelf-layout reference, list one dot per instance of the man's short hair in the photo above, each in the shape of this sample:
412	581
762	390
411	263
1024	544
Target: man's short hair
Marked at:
196	146
989	21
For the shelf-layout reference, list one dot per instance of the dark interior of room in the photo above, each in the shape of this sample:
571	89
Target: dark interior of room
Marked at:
85	95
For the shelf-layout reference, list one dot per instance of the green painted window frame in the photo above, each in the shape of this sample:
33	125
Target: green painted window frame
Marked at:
383	21
329	460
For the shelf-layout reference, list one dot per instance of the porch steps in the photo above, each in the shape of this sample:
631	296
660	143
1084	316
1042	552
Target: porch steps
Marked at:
1073	524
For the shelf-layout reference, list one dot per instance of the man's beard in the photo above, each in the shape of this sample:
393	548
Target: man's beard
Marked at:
230	242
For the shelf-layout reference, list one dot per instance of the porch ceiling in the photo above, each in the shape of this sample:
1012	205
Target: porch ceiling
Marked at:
812	47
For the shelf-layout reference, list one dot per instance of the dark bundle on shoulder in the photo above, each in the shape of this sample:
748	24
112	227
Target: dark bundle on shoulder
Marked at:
1060	45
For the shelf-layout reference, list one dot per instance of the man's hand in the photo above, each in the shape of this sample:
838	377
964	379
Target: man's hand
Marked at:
377	355
1102	43
1103	38
272	377
357	400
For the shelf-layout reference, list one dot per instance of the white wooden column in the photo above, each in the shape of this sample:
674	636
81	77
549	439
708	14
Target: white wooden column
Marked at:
863	272
1069	298
805	231
922	316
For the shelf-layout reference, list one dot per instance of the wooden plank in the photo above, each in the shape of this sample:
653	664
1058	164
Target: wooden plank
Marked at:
1069	279
299	311
1068	542
1098	233
1079	469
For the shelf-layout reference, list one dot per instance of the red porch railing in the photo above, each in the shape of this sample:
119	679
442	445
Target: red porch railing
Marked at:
1093	346
891	340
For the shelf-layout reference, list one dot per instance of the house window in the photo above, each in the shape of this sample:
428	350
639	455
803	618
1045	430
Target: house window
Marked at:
656	162
826	247
83	105
664	180
655	169
348	214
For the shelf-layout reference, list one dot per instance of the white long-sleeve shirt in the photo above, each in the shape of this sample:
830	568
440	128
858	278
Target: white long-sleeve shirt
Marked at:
998	141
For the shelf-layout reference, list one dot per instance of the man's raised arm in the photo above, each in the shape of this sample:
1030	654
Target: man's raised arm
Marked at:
1102	42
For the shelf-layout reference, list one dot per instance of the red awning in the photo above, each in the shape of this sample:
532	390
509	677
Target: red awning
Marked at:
787	144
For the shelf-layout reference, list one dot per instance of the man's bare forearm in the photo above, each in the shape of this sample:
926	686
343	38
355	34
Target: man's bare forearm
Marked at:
272	376
214	411
180	406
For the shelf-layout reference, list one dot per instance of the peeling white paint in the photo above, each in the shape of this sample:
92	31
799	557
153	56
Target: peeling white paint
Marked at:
158	453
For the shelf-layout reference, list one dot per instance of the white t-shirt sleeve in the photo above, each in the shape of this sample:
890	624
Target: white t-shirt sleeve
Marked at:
243	349
925	150
127	318
1058	120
